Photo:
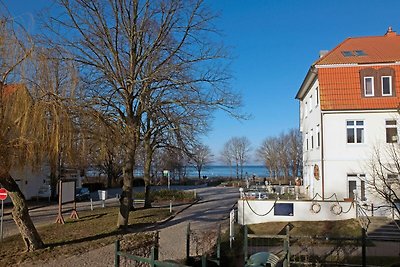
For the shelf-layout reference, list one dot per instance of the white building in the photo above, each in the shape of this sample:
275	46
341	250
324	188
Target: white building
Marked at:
349	104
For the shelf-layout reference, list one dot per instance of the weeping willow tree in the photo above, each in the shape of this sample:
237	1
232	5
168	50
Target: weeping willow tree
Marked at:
37	116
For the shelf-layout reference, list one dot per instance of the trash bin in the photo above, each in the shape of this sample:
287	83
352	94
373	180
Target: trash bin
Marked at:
102	194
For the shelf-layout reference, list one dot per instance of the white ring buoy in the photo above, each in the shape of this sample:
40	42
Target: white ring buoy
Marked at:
315	207
336	209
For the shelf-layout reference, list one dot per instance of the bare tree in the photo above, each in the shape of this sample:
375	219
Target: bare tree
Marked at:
282	155
201	155
227	156
295	150
384	183
268	153
132	50
236	151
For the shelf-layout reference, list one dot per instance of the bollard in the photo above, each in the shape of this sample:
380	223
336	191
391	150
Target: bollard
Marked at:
91	204
170	206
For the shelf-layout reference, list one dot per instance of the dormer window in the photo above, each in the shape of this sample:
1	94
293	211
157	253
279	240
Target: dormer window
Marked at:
369	86
386	82
378	82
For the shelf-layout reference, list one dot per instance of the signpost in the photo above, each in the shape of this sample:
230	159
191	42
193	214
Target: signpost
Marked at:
3	196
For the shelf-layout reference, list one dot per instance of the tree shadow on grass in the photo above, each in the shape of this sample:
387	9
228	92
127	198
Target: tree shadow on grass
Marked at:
89	217
117	233
86	239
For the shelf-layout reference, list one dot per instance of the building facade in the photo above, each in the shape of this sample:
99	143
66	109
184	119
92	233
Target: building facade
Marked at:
349	111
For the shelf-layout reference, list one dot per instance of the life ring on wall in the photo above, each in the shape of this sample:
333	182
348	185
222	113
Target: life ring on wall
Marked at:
315	207
336	209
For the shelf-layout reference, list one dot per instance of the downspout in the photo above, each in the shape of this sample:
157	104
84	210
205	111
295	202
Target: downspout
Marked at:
322	157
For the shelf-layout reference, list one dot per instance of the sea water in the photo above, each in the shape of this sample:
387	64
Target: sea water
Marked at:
227	171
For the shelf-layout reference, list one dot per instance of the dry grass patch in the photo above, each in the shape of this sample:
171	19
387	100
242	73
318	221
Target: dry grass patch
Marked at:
347	228
94	229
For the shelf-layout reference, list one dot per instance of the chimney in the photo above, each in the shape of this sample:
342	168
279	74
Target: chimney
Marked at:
390	32
323	53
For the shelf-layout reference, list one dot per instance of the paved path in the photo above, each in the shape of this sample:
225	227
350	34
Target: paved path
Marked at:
207	214
204	216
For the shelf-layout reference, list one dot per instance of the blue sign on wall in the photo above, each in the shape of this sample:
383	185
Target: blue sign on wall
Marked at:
283	209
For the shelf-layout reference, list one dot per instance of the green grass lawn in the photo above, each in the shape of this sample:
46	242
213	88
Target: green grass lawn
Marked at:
94	229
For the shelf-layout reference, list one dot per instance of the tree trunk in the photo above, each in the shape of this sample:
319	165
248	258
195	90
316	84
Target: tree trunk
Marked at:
199	171
20	214
126	202
147	176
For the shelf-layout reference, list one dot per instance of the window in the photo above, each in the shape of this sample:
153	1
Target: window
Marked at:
355	132
360	53
391	181
318	137
347	53
312	139
305	109
386	82
391	131
306	141
356	186
352	188
316	97
369	86
355	53
311	103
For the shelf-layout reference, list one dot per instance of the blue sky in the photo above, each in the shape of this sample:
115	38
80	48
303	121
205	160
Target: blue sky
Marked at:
273	44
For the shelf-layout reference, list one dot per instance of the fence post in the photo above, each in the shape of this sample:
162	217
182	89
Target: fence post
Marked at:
219	246
286	261
116	257
188	242
364	250
245	244
156	246
203	261
152	257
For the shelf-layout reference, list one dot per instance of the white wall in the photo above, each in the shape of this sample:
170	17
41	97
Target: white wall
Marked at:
310	125
29	181
341	158
248	210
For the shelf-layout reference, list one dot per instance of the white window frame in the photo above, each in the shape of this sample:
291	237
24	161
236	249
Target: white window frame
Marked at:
390	85
312	139
365	85
311	103
355	127
389	126
316	96
359	179
318	137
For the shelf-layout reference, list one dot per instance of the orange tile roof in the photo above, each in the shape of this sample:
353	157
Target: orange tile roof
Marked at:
340	89
378	49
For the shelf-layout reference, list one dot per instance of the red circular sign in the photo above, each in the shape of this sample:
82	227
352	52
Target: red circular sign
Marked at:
3	194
